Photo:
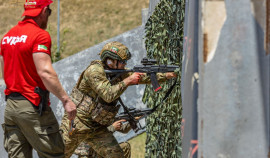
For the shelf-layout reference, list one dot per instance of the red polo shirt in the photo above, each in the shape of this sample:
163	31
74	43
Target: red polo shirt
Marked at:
17	48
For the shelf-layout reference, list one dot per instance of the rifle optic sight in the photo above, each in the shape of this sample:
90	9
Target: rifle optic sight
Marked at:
146	61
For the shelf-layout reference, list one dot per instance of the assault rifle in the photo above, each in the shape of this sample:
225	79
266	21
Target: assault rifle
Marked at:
133	116
146	67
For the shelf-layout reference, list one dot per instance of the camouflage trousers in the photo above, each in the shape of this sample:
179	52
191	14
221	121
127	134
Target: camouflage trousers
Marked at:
24	130
100	139
85	151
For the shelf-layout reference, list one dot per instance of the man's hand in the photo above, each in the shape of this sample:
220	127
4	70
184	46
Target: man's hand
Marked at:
170	75
118	124
70	108
133	79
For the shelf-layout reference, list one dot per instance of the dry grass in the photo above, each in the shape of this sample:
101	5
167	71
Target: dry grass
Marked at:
138	146
85	22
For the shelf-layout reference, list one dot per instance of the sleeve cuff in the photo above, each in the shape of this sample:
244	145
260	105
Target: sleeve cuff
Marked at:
123	84
111	128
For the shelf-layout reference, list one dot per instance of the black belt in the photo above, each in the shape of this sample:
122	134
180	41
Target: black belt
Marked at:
15	96
19	96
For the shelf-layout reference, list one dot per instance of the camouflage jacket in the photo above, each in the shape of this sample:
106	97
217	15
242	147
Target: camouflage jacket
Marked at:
94	83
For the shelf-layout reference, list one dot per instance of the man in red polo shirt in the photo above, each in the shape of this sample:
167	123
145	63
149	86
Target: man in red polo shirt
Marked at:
29	76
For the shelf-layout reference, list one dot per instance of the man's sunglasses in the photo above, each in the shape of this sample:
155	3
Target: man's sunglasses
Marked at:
49	11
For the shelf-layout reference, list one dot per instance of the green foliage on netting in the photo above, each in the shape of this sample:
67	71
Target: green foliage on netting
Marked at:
164	41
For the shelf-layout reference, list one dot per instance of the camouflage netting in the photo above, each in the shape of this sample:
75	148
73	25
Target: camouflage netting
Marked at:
164	41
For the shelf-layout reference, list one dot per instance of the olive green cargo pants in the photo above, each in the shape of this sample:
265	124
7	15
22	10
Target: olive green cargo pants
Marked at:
24	130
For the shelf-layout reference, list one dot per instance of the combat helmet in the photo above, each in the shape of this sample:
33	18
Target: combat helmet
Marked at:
115	50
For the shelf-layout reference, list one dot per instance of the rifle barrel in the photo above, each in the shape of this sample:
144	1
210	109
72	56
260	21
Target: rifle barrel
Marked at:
118	71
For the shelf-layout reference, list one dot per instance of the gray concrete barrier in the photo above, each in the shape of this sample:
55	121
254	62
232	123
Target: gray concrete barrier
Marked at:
227	56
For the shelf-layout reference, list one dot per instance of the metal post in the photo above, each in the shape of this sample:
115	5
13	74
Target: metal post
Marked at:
58	27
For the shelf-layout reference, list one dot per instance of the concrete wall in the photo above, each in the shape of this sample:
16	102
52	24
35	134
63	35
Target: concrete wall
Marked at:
234	80
227	44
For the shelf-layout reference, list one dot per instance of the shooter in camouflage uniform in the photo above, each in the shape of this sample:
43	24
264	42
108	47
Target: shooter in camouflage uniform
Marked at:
96	99
85	151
